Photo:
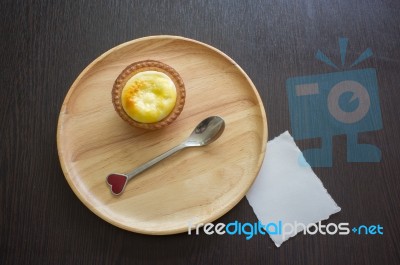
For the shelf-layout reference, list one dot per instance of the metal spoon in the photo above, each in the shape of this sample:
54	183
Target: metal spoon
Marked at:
205	132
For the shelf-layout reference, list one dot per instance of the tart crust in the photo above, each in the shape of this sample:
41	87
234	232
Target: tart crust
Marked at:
149	65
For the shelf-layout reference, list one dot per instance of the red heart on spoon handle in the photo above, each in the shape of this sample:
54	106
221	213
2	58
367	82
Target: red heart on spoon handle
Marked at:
117	183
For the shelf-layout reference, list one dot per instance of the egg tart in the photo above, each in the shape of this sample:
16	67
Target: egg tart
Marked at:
149	94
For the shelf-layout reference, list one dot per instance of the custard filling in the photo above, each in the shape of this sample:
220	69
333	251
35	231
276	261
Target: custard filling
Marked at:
149	96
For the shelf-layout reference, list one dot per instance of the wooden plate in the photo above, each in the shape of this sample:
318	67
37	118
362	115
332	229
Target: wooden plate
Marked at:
196	185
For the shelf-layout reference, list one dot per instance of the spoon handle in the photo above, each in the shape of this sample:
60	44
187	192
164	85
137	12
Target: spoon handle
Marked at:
154	161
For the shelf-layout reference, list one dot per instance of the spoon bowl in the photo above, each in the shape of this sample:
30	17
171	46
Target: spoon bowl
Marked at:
206	132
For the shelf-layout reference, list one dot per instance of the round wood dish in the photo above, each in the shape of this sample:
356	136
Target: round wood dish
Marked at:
196	185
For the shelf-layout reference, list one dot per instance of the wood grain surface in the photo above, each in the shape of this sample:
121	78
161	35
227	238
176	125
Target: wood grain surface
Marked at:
195	186
46	44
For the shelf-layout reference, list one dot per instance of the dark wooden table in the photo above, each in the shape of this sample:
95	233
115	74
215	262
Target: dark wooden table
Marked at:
46	44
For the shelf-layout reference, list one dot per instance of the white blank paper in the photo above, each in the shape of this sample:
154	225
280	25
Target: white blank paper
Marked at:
287	189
